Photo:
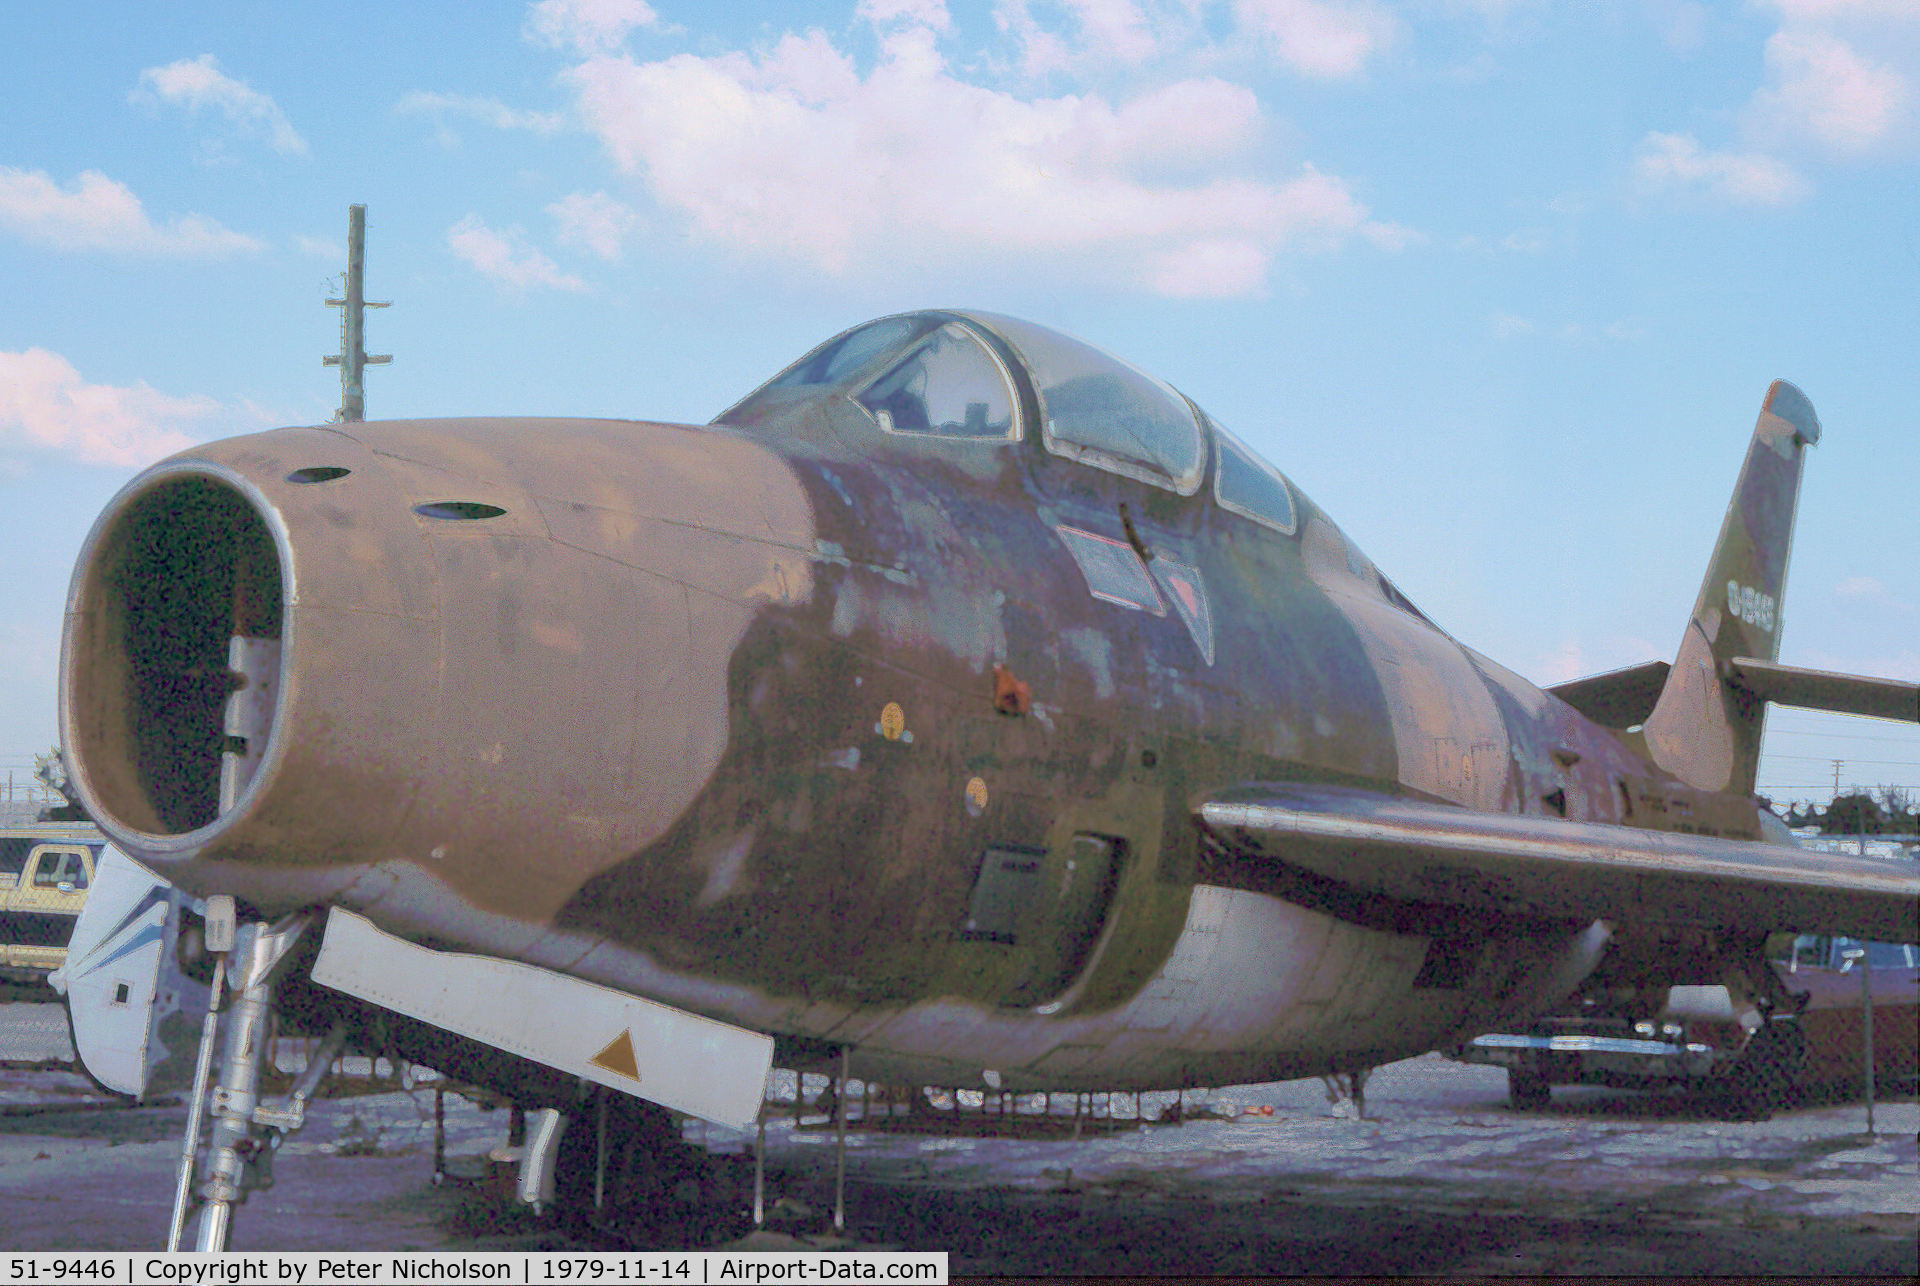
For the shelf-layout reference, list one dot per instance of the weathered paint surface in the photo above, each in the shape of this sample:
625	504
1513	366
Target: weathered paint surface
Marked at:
1702	731
735	718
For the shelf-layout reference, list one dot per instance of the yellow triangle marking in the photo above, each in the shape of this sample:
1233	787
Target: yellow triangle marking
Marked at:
618	1057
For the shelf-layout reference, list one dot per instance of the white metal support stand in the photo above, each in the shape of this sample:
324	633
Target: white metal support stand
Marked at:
1866	1014
760	1172
840	1148
203	1065
600	1150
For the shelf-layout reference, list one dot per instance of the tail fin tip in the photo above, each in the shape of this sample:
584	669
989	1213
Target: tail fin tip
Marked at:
1790	404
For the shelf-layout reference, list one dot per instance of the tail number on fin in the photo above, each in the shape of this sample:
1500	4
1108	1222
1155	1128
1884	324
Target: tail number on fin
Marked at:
1750	605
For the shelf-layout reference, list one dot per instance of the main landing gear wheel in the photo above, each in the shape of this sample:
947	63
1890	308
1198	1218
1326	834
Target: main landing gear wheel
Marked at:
1528	1091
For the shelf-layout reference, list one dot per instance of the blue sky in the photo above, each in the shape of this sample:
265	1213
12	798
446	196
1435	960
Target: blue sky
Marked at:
1499	283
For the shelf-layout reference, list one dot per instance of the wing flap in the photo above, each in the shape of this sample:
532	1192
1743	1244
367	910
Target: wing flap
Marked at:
1413	851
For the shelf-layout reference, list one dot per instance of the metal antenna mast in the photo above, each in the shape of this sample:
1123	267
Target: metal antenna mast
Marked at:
352	358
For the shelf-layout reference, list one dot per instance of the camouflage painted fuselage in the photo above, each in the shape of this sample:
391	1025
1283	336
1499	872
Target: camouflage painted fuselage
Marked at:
821	730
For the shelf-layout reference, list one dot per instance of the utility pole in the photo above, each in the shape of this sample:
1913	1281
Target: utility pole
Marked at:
352	358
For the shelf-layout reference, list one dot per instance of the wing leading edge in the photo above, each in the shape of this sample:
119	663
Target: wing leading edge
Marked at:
1430	853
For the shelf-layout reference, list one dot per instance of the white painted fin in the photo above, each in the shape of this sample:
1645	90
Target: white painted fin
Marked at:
120	977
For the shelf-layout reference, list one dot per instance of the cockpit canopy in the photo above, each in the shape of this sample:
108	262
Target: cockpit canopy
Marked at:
986	380
946	375
958	375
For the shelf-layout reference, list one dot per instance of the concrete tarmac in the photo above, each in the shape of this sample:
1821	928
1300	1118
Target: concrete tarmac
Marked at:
1441	1178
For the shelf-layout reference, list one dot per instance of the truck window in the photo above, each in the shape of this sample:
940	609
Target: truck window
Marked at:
1889	955
57	868
1809	950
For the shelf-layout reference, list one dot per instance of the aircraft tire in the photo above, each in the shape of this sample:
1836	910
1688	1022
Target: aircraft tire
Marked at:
1528	1091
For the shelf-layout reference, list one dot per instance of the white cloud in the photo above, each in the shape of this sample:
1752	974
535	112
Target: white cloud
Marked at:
1329	39
1870	589
1509	325
1491	10
1514	326
1902	10
1820	87
1192	121
320	247
793	152
485	110
46	405
1902	663
1391	237
1675	164
505	257
1093	34
1682	23
594	221
1562	665
194	83
1573	660
919	13
1822	95
1521	241
1860	587
98	213
1209	268
587	26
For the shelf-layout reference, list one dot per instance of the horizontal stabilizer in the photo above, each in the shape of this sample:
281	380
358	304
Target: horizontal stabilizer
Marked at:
1618	698
1417	852
1790	685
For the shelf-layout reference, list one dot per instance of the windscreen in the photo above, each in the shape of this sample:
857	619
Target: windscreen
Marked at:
1096	408
950	386
839	358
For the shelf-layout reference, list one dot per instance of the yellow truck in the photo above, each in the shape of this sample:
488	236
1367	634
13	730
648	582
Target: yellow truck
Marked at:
46	869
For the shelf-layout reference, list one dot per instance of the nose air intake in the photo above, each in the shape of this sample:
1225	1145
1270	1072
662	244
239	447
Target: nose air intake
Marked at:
173	654
487	660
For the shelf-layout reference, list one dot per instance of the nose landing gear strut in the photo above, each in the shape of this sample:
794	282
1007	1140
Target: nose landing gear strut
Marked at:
246	1132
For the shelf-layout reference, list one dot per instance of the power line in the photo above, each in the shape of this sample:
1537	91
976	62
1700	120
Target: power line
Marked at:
1845	736
1889	763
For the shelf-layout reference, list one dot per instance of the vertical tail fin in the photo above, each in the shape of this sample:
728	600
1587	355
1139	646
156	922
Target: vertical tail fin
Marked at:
1705	729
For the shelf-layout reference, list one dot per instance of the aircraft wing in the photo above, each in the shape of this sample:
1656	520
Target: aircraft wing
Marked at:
1411	851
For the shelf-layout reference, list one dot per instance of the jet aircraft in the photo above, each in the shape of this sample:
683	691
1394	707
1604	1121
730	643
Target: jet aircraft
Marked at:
964	704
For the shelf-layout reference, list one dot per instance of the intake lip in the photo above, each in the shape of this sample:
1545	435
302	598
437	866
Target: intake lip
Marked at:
185	556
